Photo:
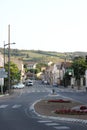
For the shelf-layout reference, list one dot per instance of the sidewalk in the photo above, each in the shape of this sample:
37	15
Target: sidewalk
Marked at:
75	88
3	95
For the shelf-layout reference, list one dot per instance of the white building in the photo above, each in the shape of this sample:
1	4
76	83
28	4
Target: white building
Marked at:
1	60
56	72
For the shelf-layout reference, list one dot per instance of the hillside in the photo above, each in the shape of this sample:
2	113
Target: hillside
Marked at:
42	56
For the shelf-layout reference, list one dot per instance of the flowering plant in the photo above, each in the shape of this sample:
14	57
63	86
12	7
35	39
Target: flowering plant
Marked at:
83	107
59	100
70	111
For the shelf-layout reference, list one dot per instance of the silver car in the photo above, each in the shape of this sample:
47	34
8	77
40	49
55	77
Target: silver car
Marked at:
19	85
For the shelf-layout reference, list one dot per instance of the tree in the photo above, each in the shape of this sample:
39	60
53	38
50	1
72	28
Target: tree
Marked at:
40	65
15	73
35	71
79	66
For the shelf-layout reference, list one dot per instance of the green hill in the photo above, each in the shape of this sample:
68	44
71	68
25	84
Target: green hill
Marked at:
42	56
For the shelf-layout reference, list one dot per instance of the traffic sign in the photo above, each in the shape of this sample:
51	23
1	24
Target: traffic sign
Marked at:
3	73
2	69
3	76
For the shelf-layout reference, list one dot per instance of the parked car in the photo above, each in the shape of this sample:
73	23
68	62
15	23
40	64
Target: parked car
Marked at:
45	82
19	85
55	85
29	83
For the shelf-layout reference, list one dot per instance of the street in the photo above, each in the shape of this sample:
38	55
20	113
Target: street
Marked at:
16	112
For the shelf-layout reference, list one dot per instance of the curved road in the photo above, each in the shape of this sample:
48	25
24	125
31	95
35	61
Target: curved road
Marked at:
15	112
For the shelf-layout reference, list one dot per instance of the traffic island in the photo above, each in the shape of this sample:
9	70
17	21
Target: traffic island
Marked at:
61	108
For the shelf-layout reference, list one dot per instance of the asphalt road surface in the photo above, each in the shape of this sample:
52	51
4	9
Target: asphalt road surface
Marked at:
16	112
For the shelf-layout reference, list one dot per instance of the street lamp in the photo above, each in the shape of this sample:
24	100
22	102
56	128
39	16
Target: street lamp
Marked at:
4	54
9	65
8	62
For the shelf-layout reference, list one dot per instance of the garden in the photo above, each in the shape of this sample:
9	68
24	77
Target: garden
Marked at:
62	107
77	110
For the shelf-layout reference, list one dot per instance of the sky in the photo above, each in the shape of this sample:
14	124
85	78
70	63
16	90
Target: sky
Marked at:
48	25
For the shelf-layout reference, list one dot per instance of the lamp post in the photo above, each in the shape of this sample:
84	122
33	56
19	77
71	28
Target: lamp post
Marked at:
4	50
4	58
9	66
9	57
4	54
8	62
65	69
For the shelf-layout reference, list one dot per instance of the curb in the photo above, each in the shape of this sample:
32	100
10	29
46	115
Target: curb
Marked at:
74	120
4	95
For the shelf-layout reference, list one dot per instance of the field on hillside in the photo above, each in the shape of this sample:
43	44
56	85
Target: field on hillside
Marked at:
33	55
41	56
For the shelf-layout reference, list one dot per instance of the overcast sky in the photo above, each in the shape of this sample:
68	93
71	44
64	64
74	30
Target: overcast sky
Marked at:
50	25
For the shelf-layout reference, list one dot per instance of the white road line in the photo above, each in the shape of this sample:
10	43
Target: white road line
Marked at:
52	124
3	106
62	128
43	91
55	125
44	121
32	91
37	91
16	106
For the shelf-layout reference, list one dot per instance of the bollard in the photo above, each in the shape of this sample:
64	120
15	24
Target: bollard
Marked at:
53	91
72	86
86	89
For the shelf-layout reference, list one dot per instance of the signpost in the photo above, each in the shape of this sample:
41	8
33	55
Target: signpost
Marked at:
3	74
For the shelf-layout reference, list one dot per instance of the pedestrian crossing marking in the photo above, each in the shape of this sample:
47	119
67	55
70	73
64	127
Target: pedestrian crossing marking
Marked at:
3	106
62	128
44	121
36	91
16	106
52	124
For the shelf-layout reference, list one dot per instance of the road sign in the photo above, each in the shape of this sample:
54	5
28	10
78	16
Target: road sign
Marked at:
3	74
2	69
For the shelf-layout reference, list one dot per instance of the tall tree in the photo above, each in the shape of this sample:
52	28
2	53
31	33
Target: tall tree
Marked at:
79	66
15	73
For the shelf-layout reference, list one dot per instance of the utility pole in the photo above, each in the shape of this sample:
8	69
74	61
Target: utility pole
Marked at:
9	58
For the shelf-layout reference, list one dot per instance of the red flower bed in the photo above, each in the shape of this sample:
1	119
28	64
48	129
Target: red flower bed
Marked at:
59	100
70	111
83	107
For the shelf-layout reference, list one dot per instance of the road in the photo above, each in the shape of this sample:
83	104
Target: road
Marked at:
15	112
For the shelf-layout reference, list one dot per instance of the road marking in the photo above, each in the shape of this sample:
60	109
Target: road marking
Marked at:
3	106
55	125
16	106
44	121
62	128
52	124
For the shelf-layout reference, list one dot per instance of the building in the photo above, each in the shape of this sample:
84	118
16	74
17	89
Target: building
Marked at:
1	60
1	66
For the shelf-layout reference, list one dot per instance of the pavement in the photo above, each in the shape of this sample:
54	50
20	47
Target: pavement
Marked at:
75	88
3	95
41	108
